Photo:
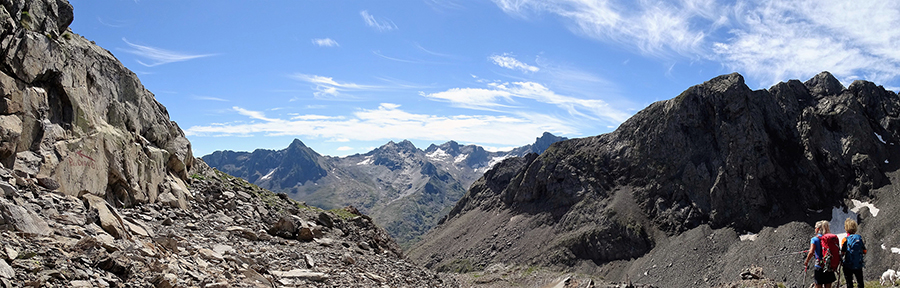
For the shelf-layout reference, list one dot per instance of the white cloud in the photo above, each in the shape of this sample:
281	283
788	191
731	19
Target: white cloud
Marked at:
504	95
344	148
508	61
777	41
380	25
158	56
253	114
654	27
473	98
767	40
389	122
316	117
328	88
325	42
209	98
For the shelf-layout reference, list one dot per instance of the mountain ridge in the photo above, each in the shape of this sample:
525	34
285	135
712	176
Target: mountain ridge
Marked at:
404	188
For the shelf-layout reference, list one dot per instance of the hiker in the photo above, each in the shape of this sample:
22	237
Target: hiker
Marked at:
853	250
822	274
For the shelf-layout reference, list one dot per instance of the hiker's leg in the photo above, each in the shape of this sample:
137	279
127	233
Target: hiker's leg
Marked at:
848	277
859	278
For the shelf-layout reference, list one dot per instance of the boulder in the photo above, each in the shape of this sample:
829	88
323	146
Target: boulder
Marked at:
284	228
107	217
20	219
6	271
304	233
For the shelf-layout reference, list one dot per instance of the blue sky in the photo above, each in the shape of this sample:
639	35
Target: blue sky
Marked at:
348	76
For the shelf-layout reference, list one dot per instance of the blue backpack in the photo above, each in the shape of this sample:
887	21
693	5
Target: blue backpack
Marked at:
853	258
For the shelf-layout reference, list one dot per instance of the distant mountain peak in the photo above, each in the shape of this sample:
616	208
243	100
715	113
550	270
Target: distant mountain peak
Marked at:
297	143
824	84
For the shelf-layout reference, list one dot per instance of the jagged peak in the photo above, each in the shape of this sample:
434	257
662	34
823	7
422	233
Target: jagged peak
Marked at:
297	143
727	82
824	84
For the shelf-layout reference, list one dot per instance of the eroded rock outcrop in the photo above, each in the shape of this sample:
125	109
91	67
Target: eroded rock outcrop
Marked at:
73	119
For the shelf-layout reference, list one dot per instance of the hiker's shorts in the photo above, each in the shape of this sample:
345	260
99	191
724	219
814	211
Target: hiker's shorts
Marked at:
823	277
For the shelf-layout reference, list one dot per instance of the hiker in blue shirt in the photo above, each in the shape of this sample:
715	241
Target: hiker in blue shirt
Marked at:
853	250
823	278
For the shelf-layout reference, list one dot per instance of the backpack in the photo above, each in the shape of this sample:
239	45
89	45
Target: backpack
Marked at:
831	252
853	258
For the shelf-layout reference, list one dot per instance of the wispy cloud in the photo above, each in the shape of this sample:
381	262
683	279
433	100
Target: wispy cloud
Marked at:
778	41
411	61
208	98
328	88
113	24
767	40
344	148
325	42
654	27
254	114
158	56
380	25
505	95
435	53
508	61
388	121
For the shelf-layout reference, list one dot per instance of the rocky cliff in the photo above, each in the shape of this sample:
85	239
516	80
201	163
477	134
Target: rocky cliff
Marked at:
405	189
719	158
73	119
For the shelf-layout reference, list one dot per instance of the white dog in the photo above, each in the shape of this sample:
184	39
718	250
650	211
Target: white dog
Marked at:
889	276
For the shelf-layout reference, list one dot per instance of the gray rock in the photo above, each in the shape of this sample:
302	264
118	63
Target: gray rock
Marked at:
107	216
285	228
21	219
6	271
301	274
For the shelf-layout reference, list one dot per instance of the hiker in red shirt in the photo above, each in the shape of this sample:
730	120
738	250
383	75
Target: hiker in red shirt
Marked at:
820	246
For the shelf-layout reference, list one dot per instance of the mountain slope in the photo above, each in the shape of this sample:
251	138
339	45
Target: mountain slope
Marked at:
405	189
719	156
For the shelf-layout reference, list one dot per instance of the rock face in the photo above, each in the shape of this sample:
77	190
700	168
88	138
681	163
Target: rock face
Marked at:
405	189
73	119
719	155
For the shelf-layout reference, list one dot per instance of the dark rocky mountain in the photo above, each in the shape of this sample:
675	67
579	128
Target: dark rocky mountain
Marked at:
405	189
680	181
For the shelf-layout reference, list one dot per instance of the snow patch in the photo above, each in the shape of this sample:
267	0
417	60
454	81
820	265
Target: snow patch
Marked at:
879	138
460	158
268	175
895	250
438	154
496	160
837	221
883	247
748	237
859	204
368	161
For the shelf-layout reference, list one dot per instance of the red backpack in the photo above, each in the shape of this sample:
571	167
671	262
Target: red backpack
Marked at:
831	252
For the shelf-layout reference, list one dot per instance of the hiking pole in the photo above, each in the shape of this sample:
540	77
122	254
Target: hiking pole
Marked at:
839	274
